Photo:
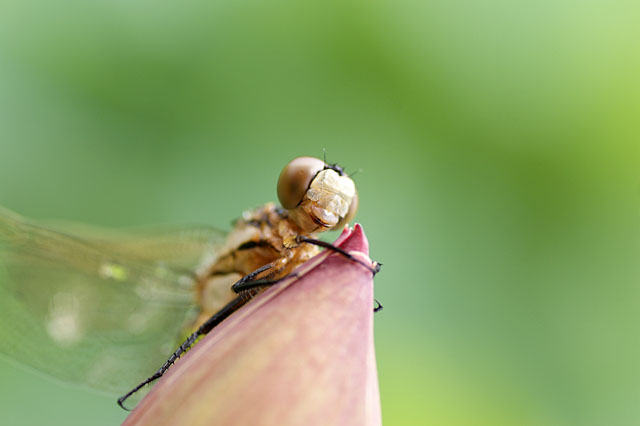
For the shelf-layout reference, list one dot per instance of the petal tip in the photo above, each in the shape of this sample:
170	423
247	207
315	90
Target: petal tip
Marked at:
356	240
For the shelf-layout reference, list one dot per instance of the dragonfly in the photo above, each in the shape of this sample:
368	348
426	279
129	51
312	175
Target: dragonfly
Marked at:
97	308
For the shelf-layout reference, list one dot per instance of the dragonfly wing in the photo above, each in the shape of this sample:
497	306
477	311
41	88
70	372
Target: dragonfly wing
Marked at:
99	311
181	248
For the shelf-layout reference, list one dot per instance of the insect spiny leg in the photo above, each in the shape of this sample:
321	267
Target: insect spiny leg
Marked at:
374	269
206	327
237	287
246	286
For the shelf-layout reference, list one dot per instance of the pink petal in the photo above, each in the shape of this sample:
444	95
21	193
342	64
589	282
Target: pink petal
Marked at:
301	353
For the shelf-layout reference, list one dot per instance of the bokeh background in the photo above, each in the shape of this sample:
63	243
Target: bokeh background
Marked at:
498	142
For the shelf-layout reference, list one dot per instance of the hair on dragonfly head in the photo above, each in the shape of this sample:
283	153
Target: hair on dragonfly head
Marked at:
352	174
334	167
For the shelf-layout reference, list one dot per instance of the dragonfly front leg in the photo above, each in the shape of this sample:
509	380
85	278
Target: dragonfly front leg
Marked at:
374	268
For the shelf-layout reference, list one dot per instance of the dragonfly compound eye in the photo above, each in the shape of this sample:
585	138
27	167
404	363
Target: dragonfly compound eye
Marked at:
296	178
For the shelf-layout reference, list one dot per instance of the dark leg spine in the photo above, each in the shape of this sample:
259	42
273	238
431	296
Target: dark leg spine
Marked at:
206	327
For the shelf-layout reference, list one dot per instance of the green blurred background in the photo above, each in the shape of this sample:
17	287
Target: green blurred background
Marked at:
500	184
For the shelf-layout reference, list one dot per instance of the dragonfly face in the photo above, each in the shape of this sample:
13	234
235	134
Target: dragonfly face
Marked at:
319	196
106	308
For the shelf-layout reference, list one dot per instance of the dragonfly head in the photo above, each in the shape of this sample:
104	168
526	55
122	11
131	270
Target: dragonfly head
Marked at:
318	196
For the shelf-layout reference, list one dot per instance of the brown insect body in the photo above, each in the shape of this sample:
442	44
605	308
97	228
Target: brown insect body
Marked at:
262	236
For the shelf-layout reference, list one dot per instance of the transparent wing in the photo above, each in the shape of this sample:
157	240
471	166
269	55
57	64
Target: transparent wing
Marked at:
104	310
181	248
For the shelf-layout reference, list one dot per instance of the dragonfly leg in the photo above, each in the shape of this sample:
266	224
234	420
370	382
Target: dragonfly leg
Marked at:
240	287
249	282
374	269
245	282
206	327
263	282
